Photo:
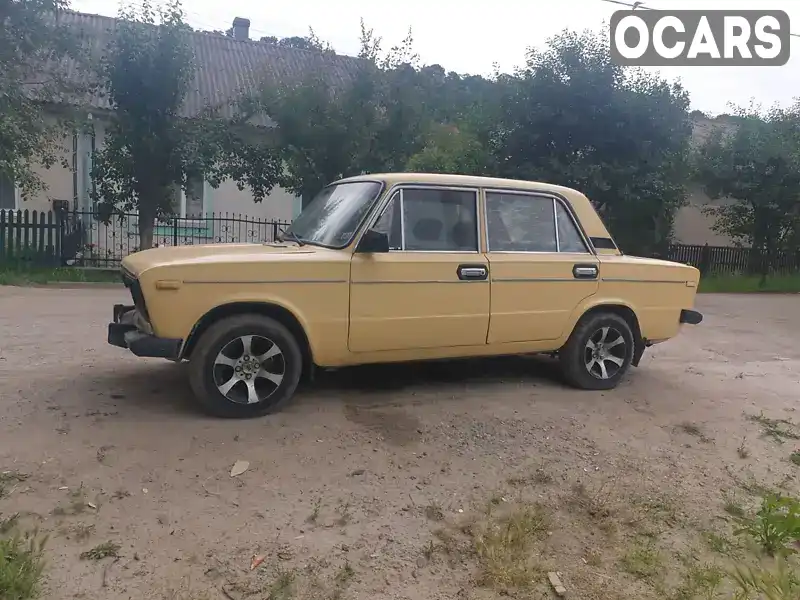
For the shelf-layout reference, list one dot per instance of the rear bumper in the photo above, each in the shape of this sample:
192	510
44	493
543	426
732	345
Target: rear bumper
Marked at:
690	317
123	333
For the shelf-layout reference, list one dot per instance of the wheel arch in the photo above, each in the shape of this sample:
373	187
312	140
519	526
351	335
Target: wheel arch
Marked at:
281	314
625	311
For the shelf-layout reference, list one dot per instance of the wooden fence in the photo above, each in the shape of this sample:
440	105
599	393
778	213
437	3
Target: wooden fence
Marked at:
35	237
727	260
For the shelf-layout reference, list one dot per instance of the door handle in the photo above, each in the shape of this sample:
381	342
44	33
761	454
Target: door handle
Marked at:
472	272
584	271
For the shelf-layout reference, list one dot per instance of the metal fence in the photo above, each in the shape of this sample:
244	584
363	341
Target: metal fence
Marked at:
62	238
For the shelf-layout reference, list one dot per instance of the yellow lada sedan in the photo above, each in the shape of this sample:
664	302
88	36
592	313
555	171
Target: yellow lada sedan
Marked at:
403	267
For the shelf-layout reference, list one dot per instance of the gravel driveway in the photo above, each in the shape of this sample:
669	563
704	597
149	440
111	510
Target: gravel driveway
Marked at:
349	487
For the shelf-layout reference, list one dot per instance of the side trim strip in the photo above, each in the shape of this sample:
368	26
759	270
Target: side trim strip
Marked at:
246	281
537	279
400	281
628	280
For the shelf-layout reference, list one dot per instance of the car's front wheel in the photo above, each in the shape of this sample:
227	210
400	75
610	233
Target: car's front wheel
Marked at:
245	366
598	353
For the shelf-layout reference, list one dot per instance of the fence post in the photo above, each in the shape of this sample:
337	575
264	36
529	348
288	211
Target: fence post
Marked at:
274	231
174	232
705	260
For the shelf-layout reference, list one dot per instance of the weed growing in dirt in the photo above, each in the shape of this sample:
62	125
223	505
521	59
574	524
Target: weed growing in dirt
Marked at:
341	580
720	544
795	458
742	450
344	514
101	551
81	531
775	526
779	430
8	523
539	477
9	479
598	503
643	561
503	548
700	581
776	583
283	586
314	516
21	566
696	431
434	512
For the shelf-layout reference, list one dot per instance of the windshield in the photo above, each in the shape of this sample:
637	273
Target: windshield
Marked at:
332	217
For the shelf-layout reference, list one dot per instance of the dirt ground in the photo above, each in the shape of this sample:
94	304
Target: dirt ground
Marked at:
352	489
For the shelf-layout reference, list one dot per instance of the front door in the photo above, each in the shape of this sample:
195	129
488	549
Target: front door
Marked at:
541	266
431	290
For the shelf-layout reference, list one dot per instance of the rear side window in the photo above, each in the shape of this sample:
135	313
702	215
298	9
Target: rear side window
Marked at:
569	238
528	223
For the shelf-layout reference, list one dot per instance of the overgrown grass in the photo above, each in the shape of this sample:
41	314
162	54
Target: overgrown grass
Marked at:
21	567
21	276
739	284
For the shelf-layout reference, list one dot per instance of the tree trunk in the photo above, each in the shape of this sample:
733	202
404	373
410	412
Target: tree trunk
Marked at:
146	226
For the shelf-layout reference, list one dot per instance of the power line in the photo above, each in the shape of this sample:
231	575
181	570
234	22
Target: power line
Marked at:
641	6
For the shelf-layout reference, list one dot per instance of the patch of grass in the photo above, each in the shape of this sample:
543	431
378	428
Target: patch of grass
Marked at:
777	583
21	276
778	429
720	544
739	284
733	508
101	551
795	458
694	430
283	586
503	548
21	567
643	561
8	479
700	581
344	575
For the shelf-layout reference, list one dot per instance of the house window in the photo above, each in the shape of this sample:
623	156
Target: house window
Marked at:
190	203
8	193
194	205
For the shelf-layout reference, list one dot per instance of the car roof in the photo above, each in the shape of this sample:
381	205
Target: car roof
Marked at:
464	180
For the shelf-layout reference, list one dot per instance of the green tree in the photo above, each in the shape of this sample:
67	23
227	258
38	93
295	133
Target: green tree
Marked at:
35	46
574	117
755	161
151	148
451	150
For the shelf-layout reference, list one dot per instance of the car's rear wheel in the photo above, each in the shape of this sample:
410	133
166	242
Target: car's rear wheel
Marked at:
598	353
245	366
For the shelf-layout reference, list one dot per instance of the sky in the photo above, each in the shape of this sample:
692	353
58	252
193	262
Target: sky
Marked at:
470	38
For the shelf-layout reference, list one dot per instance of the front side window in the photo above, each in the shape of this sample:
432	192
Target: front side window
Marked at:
334	215
432	220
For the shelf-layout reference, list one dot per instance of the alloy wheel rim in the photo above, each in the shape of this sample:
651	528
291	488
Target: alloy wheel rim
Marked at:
249	369
605	352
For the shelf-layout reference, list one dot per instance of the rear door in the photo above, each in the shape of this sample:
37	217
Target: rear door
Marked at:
541	266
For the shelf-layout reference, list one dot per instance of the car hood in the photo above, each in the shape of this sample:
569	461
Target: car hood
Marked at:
138	262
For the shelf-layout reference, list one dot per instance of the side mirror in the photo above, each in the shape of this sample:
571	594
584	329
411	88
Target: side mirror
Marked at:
373	242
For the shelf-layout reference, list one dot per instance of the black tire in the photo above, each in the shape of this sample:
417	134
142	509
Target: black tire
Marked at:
577	354
205	375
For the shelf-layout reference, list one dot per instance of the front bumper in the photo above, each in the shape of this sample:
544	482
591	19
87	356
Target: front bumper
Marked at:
691	317
124	333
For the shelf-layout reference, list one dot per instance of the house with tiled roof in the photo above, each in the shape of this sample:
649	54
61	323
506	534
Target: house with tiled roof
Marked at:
225	68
